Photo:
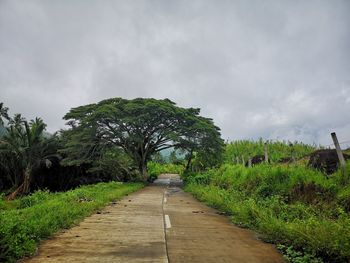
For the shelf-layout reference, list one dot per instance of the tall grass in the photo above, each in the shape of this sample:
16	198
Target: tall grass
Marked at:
293	206
26	221
276	149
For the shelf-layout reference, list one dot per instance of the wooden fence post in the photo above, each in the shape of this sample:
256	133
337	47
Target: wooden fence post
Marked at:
237	160
339	152
249	162
243	160
266	153
292	153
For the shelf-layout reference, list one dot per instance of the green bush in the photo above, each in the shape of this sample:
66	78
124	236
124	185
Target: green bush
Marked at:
26	221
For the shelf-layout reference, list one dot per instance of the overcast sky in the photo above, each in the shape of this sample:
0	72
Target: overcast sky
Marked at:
270	69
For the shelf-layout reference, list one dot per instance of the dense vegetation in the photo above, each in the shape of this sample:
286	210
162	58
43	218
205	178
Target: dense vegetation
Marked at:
301	209
32	159
141	128
156	169
27	220
110	140
277	150
113	140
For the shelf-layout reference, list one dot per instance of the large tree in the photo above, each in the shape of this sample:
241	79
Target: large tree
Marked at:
141	127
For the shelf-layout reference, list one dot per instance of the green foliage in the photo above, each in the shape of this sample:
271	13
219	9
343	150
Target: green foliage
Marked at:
277	150
116	165
294	206
173	158
158	158
344	197
33	199
23	149
141	127
26	221
293	256
155	169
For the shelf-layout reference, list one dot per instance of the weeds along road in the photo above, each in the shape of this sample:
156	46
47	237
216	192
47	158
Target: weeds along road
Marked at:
159	223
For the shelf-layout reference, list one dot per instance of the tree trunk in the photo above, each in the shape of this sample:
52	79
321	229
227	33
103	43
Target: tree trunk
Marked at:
24	188
143	170
189	162
143	160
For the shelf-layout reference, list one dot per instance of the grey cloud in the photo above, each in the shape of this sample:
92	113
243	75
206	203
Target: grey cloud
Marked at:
271	69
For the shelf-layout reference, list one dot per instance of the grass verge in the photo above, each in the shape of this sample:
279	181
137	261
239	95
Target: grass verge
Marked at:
301	210
24	222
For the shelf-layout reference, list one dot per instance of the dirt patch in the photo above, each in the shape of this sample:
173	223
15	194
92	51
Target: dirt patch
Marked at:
325	160
286	160
310	193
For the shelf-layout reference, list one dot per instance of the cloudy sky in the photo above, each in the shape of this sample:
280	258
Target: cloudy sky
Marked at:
270	69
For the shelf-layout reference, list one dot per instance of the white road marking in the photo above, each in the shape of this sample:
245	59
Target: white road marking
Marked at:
167	221
165	200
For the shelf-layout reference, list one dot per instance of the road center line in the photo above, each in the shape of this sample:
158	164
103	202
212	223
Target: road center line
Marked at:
167	221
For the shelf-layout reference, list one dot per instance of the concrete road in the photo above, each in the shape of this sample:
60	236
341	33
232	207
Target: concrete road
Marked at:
159	223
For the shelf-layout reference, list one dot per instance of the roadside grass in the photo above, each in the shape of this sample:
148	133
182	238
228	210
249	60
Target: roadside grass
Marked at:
277	150
24	222
300	209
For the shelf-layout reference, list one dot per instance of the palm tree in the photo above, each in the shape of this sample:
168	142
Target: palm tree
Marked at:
30	149
3	113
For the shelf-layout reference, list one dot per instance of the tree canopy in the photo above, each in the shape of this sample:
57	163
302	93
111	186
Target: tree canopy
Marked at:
141	127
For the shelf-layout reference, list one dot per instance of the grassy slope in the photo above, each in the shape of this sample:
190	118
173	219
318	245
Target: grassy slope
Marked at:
293	206
26	221
277	150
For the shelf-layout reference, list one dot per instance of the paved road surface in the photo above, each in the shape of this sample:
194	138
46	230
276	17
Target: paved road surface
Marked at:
159	223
